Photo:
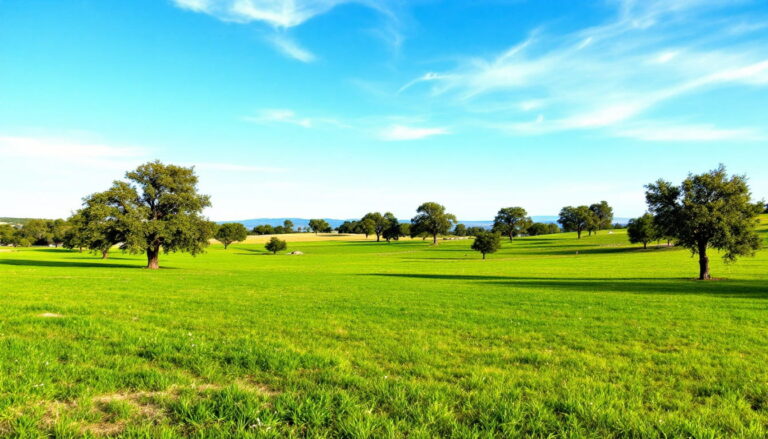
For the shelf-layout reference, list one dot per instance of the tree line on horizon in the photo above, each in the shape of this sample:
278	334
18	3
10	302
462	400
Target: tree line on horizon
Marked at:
157	209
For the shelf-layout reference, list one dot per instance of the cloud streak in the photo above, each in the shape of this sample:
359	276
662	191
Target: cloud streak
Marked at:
607	76
282	15
396	133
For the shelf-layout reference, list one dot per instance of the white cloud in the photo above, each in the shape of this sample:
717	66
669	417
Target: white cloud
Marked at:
282	15
64	149
605	76
291	49
278	13
286	116
402	132
655	132
280	116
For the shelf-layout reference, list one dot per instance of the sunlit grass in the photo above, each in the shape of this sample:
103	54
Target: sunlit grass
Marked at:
552	336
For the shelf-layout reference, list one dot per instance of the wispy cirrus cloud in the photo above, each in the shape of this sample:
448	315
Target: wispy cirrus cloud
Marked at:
404	132
606	77
667	132
291	49
64	149
282	15
290	117
277	13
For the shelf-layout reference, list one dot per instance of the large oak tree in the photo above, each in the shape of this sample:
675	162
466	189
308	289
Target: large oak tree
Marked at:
710	210
159	209
576	219
433	220
511	221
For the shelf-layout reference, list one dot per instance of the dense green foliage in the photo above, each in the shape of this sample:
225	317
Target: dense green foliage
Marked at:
319	226
551	337
231	232
511	221
642	230
433	220
487	242
536	229
577	219
603	216
381	224
275	245
708	210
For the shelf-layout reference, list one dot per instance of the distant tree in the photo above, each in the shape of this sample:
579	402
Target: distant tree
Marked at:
576	219
460	230
348	227
381	223
642	230
37	232
603	216
487	242
319	226
163	212
405	229
536	229
21	240
511	221
394	230
7	234
288	226
365	226
77	236
475	230
264	229
279	230
708	210
618	226
432	219
58	231
766	209
231	232
275	245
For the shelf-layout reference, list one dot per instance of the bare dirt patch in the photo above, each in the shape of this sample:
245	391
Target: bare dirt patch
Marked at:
114	411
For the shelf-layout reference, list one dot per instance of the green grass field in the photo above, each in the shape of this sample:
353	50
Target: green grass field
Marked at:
550	337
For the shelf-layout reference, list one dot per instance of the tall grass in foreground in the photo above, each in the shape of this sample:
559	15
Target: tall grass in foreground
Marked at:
550	337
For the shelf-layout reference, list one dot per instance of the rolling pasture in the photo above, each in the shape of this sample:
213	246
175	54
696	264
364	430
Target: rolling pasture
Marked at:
550	337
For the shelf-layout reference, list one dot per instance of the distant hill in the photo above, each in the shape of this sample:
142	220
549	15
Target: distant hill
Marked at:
10	220
304	222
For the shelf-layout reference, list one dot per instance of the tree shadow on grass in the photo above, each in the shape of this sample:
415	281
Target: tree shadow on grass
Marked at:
67	264
746	289
251	251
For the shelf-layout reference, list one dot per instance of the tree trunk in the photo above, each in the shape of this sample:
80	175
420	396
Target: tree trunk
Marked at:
105	254
226	245
378	237
483	256
153	258
510	238
434	239
645	246
81	249
669	242
578	234
703	262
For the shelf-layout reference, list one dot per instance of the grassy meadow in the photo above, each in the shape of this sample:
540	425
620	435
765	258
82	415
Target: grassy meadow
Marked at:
550	337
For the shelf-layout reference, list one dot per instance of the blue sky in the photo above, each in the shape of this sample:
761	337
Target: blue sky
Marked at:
332	108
